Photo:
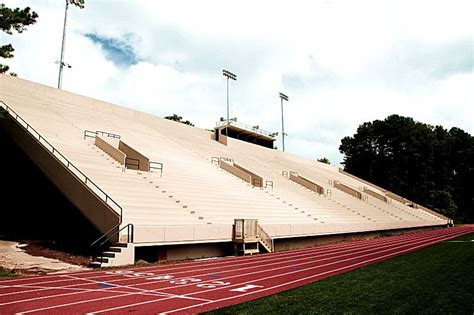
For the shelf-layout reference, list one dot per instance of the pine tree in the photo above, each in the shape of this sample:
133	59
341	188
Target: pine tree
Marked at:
13	20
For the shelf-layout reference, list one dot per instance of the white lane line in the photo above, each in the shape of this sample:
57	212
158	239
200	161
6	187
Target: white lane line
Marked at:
157	268
80	290
238	275
164	298
152	282
72	303
272	257
367	248
77	290
165	295
279	261
302	279
265	278
139	290
228	260
131	305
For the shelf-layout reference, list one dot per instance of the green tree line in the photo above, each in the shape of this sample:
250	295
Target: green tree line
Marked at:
429	165
13	20
179	119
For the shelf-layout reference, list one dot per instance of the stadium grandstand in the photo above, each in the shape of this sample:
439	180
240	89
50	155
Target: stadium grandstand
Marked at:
173	191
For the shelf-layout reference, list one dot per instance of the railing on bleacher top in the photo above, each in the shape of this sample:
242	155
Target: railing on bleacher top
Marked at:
93	134
215	159
156	166
245	126
269	183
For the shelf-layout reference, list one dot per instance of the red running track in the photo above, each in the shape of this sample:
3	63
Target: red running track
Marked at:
204	285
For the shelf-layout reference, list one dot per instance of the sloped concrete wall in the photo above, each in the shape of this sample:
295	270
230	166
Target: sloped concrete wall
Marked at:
91	206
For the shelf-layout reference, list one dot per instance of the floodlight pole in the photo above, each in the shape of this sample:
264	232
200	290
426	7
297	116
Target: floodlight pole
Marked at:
283	97
227	100
77	3
228	75
61	60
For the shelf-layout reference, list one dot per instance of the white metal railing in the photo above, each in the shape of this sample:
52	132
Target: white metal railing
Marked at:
264	237
247	127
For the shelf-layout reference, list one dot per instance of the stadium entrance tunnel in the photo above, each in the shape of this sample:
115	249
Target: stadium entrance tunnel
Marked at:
33	209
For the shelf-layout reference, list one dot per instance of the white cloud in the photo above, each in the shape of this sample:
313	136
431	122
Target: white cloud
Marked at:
340	62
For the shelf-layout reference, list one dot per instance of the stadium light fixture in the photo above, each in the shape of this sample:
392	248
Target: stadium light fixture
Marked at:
228	75
283	134
79	4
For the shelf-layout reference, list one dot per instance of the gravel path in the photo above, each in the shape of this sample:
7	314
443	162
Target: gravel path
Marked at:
12	257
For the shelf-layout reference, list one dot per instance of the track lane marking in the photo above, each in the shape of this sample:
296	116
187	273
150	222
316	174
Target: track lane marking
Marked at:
138	290
226	259
279	261
173	287
274	256
343	248
231	259
306	278
265	278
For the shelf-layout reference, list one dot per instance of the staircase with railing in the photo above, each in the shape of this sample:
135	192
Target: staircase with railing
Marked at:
109	253
248	235
265	239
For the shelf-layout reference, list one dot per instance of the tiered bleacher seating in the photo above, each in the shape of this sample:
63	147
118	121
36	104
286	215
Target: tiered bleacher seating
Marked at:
195	200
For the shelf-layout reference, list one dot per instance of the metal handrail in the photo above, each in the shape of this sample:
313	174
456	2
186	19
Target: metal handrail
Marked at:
130	229
93	134
130	232
269	183
151	166
69	165
108	134
87	133
245	126
265	237
215	160
226	159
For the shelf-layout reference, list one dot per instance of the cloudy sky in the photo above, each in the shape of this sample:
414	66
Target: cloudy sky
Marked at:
340	62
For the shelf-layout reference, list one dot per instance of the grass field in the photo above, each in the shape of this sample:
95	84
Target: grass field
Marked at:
435	280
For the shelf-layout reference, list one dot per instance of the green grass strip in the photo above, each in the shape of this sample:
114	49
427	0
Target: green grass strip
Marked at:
435	280
6	273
